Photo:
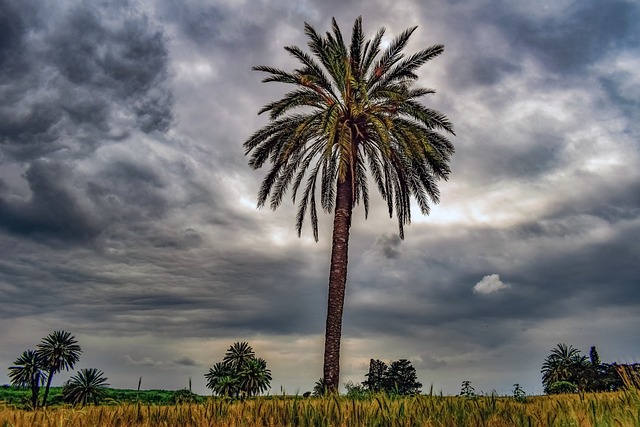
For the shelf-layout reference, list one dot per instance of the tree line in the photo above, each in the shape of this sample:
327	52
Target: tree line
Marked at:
241	374
566	370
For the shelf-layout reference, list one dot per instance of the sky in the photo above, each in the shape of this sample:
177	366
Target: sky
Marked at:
128	211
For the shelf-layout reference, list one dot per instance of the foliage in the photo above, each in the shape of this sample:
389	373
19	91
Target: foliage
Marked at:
560	387
397	378
401	378
467	390
28	372
19	397
356	391
320	388
59	350
565	364
87	386
518	393
184	396
353	113
375	376
239	374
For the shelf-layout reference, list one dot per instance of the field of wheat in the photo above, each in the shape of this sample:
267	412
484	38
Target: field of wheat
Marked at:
604	409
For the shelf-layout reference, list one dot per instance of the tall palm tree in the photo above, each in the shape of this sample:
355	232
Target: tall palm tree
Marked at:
59	350
353	112
28	372
88	385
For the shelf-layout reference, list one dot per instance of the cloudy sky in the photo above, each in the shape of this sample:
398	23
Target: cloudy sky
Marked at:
128	212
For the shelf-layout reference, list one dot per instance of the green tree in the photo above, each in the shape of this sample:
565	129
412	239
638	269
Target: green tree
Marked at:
357	391
218	379
467	390
401	378
353	113
227	386
375	377
87	386
564	364
239	373
28	372
518	393
59	350
254	377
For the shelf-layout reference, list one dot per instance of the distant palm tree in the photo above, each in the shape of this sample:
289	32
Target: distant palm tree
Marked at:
218	379
565	363
59	350
254	377
88	385
238	355
28	372
352	114
320	387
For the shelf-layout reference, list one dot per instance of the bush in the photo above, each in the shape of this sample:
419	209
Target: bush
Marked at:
561	387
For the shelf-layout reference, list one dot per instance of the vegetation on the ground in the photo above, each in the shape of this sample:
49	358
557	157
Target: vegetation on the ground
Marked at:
20	397
353	114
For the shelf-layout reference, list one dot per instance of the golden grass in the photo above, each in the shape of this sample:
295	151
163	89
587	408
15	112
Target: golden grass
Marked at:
588	410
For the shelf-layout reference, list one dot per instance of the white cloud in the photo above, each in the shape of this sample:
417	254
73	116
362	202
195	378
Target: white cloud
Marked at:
490	284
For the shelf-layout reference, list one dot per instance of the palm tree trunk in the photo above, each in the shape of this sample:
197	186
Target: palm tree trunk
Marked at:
337	283
46	390
35	389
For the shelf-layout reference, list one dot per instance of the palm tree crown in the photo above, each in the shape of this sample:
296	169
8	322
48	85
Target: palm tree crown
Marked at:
28	371
238	355
353	113
358	112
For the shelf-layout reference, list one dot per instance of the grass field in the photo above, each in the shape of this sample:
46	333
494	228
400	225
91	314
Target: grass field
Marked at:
601	410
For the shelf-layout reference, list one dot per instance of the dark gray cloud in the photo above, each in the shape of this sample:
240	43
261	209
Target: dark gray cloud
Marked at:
583	33
81	80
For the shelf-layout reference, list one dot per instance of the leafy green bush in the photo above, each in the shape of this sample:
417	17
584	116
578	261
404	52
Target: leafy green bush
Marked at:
560	387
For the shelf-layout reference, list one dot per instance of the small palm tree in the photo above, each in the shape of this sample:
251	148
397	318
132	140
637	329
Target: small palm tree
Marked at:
28	372
320	388
227	386
88	385
218	374
254	377
59	350
353	114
